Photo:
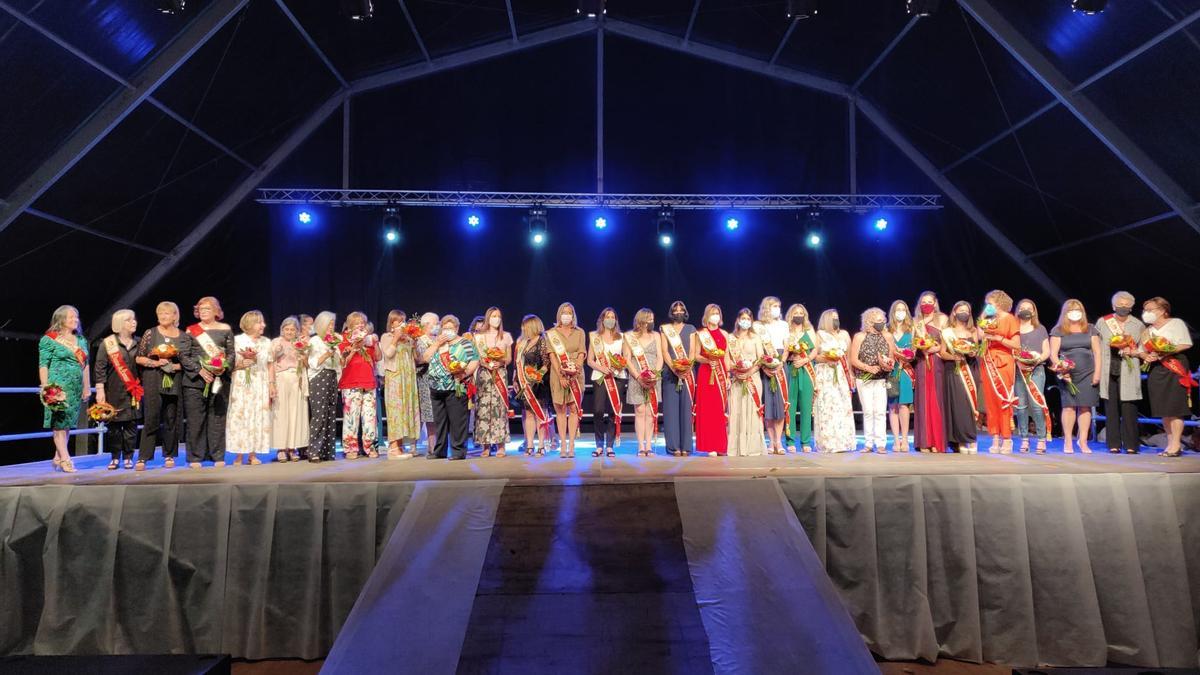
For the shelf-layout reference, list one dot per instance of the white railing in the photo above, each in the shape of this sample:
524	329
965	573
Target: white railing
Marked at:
34	435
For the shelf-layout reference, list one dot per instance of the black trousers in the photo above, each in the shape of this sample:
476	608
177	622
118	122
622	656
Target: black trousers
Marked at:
603	416
322	415
163	420
1121	419
450	417
206	423
121	439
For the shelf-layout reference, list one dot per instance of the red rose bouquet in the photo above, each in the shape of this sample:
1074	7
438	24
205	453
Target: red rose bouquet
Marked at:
54	397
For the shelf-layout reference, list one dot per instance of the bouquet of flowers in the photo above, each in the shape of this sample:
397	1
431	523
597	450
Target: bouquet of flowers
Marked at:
769	362
413	330
681	367
906	355
1027	358
1120	342
714	354
535	375
54	397
797	346
647	378
617	362
966	347
1158	344
166	352
332	339
101	412
302	348
987	323
494	354
1063	370
213	365
250	354
924	343
457	369
834	354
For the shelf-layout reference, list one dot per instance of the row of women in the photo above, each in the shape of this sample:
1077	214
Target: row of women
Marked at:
771	384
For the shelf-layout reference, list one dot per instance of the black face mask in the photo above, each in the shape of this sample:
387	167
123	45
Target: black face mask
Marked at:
1123	311
1025	314
798	320
679	317
836	323
879	326
963	317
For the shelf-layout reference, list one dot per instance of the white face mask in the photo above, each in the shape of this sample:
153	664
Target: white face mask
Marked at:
610	323
901	315
744	324
1149	316
567	319
1075	315
450	333
714	321
775	314
494	322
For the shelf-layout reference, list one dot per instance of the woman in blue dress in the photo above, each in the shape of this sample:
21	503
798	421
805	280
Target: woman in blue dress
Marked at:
900	325
63	361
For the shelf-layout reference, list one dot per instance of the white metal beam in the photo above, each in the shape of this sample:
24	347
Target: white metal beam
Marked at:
1106	233
1023	262
884	54
232	199
1084	110
312	44
92	231
687	34
512	22
412	25
852	143
600	110
783	43
206	24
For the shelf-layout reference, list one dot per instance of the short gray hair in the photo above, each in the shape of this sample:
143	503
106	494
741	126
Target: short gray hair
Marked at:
1122	295
324	323
119	318
430	317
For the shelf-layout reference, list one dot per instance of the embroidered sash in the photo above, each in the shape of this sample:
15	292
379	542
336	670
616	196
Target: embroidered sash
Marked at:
497	377
80	355
679	352
211	351
643	364
776	374
113	348
565	363
718	375
610	384
526	389
1037	397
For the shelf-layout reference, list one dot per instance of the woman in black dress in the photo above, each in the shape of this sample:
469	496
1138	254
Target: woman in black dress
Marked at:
162	381
205	385
118	385
963	399
533	353
1170	380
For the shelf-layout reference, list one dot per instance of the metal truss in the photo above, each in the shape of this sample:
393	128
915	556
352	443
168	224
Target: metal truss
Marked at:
583	200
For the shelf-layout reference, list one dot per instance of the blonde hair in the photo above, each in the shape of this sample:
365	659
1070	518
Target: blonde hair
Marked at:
289	320
395	315
249	318
825	322
59	317
119	318
532	326
452	319
907	324
218	313
1003	301
324	323
708	309
167	304
562	308
1033	320
641	320
1064	324
862	318
352	316
764	304
797	307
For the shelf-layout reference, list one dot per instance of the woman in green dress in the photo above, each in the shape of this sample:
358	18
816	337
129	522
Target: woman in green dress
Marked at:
62	361
800	350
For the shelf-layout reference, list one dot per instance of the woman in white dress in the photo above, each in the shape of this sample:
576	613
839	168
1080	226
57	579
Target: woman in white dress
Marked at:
745	394
248	427
833	415
289	409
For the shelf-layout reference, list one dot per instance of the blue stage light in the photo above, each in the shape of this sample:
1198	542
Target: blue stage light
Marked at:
539	238
601	223
304	217
813	240
665	240
391	236
473	220
731	223
881	224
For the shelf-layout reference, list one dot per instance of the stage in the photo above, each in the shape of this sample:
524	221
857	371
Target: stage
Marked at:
658	564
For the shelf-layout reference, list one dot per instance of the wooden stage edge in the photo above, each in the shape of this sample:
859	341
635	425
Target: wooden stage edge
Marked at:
626	467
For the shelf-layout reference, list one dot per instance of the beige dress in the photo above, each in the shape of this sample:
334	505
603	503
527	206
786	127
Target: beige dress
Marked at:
289	410
745	426
248	422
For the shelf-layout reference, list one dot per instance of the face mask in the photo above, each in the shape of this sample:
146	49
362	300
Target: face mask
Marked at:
679	317
610	323
878	326
798	320
1123	311
567	319
1149	316
927	309
435	330
963	317
1025	314
1074	315
650	324
774	312
989	309
494	322
901	315
450	333
836	323
744	324
714	321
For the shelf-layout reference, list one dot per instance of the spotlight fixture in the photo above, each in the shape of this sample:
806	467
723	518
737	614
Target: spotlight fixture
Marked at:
391	235
881	224
304	217
537	225
357	10
1089	6
171	6
601	223
813	240
666	226
800	9
473	220
732	224
922	7
591	8
391	225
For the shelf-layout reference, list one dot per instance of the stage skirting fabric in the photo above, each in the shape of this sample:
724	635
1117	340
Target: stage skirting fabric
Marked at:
1020	569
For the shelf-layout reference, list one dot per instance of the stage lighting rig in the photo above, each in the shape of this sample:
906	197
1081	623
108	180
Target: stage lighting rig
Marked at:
1089	6
171	6
666	226
922	7
537	225
592	8
357	10
800	9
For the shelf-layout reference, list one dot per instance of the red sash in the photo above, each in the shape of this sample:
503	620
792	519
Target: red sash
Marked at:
113	348
643	364
500	384
535	406
758	405
802	350
718	374
675	345
845	364
1185	378
610	385
999	387
565	362
80	355
968	382
1036	396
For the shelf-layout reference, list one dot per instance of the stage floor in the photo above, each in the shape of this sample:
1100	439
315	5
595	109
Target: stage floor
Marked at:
625	467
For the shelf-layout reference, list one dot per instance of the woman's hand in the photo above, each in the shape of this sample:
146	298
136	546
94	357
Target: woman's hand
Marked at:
99	395
206	375
1151	357
1095	378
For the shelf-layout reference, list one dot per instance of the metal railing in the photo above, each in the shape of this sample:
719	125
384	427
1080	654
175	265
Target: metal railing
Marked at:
98	430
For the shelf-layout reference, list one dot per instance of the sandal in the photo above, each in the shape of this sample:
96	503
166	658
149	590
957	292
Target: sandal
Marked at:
1164	453
1041	447
169	463
114	465
194	465
501	452
129	464
1025	445
541	452
613	453
254	460
595	453
281	456
68	466
140	465
351	454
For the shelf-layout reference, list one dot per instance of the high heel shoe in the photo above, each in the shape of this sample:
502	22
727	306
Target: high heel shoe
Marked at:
55	464
67	466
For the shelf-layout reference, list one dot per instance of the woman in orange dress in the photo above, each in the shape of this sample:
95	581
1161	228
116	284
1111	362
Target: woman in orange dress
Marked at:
1002	332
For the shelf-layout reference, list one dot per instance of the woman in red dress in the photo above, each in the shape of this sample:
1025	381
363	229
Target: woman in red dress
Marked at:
708	347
